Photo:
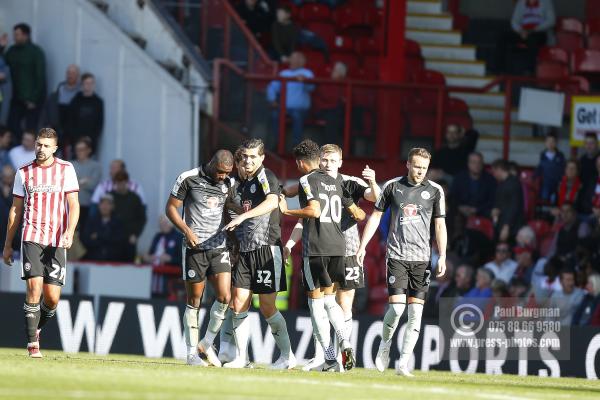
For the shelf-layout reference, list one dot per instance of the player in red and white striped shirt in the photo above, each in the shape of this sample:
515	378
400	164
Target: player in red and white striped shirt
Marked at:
45	197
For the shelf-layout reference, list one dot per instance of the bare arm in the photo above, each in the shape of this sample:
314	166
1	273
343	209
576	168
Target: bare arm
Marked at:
373	192
312	210
441	238
369	231
295	236
269	204
73	203
171	211
15	215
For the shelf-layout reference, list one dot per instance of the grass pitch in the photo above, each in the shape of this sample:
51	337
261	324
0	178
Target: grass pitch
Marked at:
84	376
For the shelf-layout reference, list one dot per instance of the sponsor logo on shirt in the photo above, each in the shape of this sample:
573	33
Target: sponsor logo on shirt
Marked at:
410	213
43	188
212	206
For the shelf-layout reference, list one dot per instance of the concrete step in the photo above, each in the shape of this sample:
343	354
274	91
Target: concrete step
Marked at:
481	99
424	6
449	52
429	21
496	127
524	151
491	113
456	67
433	36
470	81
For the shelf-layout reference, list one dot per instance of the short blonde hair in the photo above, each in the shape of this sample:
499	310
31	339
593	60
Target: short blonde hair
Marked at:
331	148
419	152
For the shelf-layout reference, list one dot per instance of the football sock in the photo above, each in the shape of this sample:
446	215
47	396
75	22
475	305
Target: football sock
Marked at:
411	334
348	324
280	333
217	316
241	333
391	319
190	328
46	314
32	320
320	323
336	316
226	332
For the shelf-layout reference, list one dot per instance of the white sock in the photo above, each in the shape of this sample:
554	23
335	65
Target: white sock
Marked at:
391	319
217	316
348	324
320	323
226	332
319	354
280	333
336	317
241	333
411	334
190	328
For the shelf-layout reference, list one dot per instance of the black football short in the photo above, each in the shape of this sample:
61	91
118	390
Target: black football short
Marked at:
354	275
412	277
47	261
322	271
198	264
262	270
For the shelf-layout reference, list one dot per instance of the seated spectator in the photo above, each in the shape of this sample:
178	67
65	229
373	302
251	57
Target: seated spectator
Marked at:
526	258
166	245
297	98
473	189
546	278
569	186
483	284
131	211
89	173
5	89
463	280
507	213
570	233
590	190
85	114
25	152
287	37
526	237
5	141
28	73
7	180
532	22
593	228
55	111
550	168
569	299
502	266
330	104
470	245
444	287
587	161
518	288
255	14
452	156
103	235
584	313
107	185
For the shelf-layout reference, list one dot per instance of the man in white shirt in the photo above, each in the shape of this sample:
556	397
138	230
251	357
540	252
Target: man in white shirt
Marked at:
502	266
25	152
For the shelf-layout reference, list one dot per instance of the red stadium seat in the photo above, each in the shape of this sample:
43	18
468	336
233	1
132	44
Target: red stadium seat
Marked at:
481	224
593	41
324	30
462	119
551	70
371	65
414	66
315	12
412	49
593	25
592	9
315	60
422	124
349	16
569	25
575	86
343	43
569	33
541	228
369	46
553	54
586	61
456	106
349	59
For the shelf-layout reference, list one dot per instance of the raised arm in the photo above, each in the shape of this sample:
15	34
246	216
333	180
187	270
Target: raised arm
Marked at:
295	236
270	203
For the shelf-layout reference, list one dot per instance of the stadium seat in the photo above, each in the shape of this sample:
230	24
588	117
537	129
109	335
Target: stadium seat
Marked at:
457	106
551	70
592	9
314	12
541	228
569	25
569	33
315	60
349	59
553	54
422	124
373	46
593	33
586	61
324	30
412	49
593	41
462	119
481	224
351	15
429	97
342	43
575	86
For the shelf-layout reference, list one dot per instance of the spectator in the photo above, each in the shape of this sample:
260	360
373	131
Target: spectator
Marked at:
590	189
569	234
569	299
473	190
5	139
470	245
85	115
286	36
5	89
526	258
531	23
502	266
107	185
55	111
297	97
507	213
518	288
463	279
545	279
452	156
445	288
25	152
103	234
526	237
89	173
28	72
330	104
584	313
593	226
166	245
130	210
570	185
483	284
255	14
587	161
6	199
550	168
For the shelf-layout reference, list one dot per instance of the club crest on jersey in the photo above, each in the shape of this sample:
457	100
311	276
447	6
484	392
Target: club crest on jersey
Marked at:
224	189
247	204
253	188
212	202
425	195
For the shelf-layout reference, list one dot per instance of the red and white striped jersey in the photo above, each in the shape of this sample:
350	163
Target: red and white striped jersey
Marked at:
44	190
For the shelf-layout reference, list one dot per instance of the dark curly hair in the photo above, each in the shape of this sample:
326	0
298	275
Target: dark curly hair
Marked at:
253	144
307	150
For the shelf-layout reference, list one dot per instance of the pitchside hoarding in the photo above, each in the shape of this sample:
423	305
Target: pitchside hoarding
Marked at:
585	117
106	326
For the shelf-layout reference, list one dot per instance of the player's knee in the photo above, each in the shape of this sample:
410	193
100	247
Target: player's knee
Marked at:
224	298
268	309
193	301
